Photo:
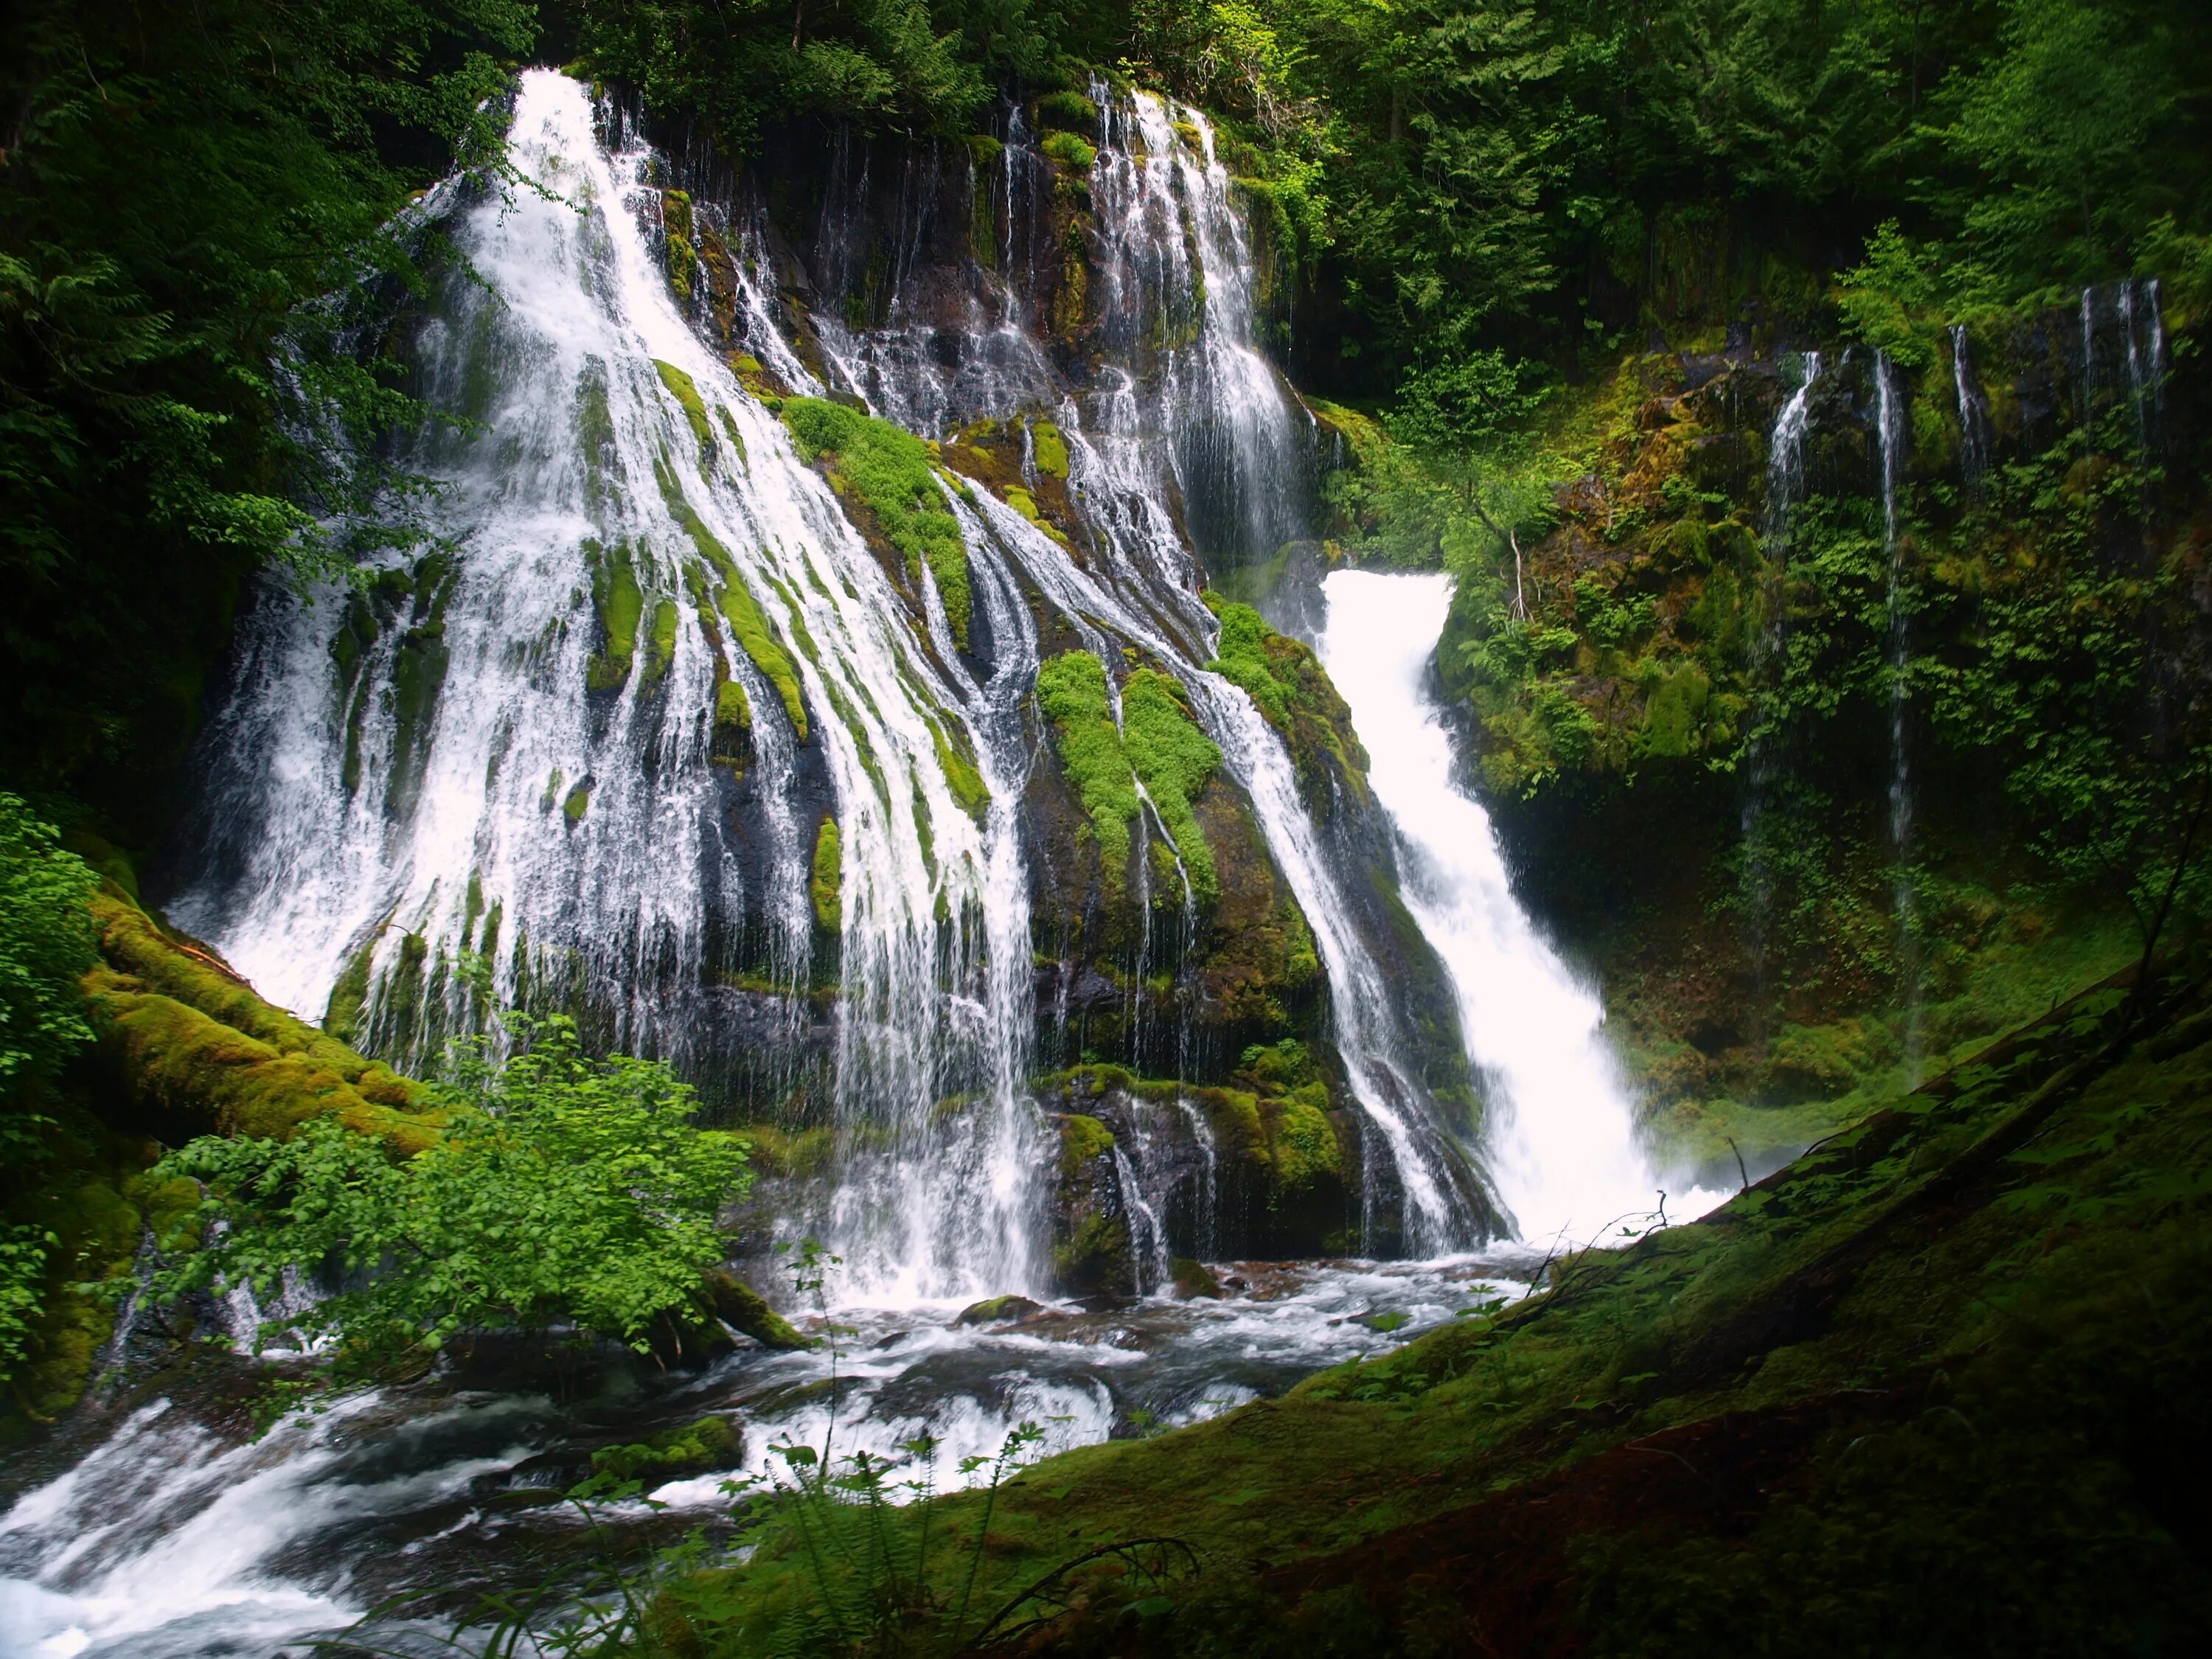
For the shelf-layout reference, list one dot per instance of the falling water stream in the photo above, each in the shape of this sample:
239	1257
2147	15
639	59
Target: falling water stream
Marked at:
1889	432
1562	1141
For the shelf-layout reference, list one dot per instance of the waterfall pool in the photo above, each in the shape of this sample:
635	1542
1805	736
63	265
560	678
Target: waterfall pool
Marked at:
175	1534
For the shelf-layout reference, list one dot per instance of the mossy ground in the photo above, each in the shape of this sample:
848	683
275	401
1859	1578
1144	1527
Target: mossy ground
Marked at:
1928	1390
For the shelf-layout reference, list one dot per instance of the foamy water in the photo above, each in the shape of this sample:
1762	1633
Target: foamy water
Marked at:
1563	1148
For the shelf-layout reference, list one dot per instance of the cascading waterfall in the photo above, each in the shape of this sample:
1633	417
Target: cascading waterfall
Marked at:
1973	413
1786	486
1561	1132
480	798
1176	297
1889	427
1184	408
1438	1189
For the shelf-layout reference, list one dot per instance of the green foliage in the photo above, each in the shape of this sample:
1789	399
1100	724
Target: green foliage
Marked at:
46	947
561	1188
178	183
23	1273
890	472
882	63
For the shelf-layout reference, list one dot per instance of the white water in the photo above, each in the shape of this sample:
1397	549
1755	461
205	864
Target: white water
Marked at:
169	1541
1561	1131
174	1540
934	951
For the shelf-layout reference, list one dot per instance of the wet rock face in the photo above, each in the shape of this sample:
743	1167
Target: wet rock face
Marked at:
1155	1176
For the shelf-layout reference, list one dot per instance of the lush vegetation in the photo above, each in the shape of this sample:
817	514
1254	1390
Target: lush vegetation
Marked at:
561	1190
177	184
45	945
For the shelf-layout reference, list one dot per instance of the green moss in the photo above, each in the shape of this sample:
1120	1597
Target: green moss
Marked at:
661	643
826	884
620	604
1081	1140
958	762
349	992
1050	447
730	431
1025	504
890	472
697	1448
685	390
731	708
92	1231
1173	758
739	607
1241	658
676	220
1301	1142
1095	1253
577	802
418	676
983	149
1071	691
1288	684
144	958
1070	151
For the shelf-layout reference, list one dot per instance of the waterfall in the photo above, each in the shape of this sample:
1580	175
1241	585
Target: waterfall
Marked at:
597	737
1440	1195
1973	413
1561	1129
1785	485
1889	424
497	784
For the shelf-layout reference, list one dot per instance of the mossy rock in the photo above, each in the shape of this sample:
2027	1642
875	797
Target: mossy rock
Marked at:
685	390
739	607
998	1310
1081	1140
890	474
697	1448
826	879
1068	112
155	961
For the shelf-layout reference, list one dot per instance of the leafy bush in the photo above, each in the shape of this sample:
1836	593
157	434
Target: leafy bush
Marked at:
46	946
563	1189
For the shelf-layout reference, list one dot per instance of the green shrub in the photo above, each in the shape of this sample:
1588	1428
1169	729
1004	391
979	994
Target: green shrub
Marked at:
563	1189
1073	152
